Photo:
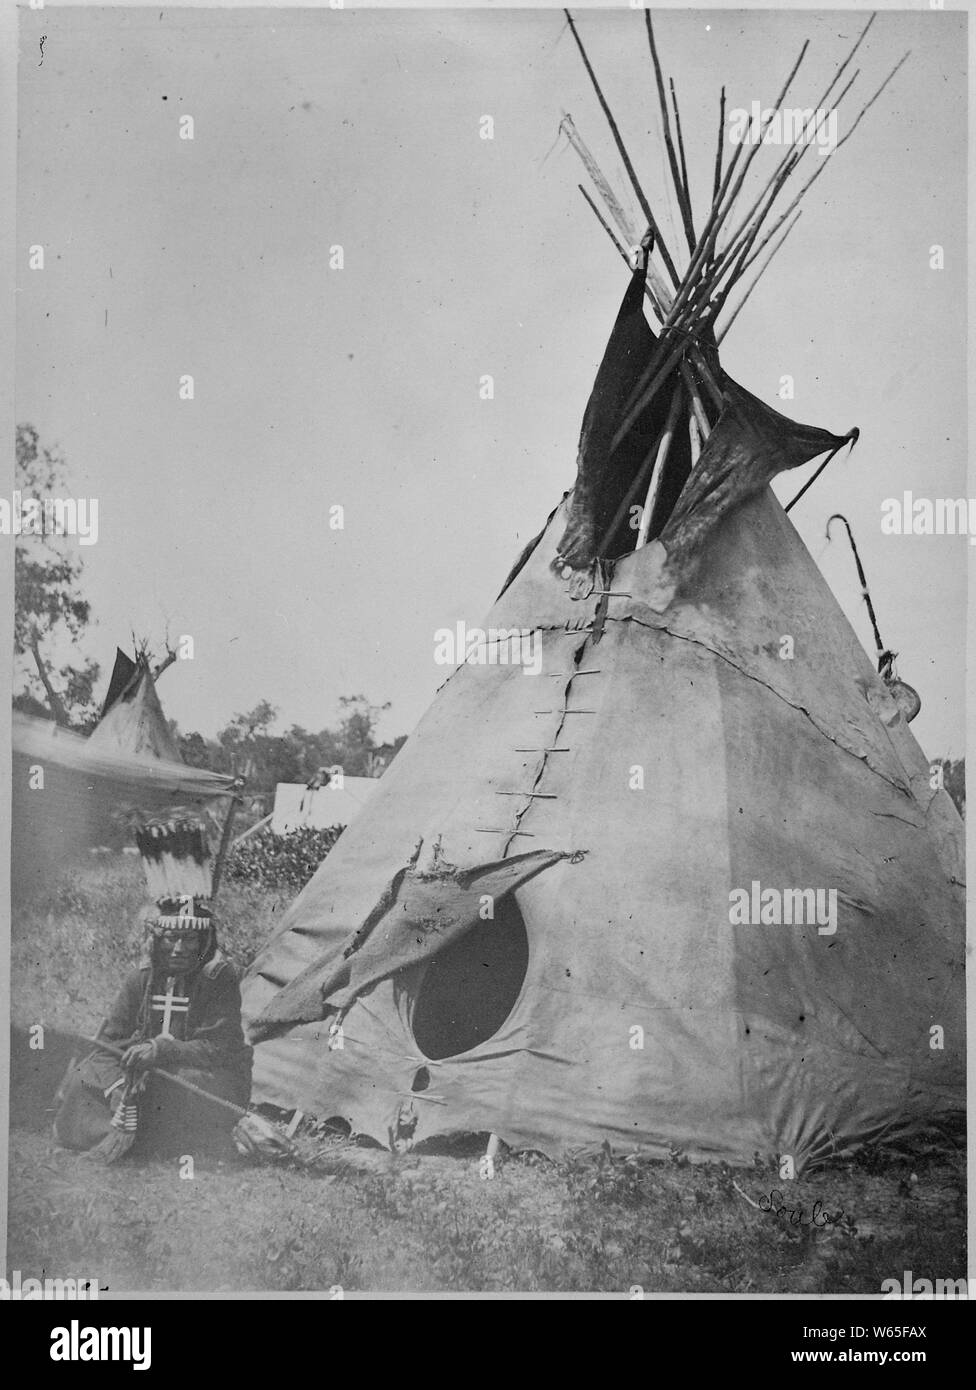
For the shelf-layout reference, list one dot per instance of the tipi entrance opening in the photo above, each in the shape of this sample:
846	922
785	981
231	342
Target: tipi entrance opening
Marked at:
470	988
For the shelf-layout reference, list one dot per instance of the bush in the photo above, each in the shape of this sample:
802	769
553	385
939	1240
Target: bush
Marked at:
281	861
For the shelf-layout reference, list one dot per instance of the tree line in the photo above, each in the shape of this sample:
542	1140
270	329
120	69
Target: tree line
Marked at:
249	747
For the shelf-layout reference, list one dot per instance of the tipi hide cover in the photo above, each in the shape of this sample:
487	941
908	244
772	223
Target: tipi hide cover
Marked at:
662	864
665	767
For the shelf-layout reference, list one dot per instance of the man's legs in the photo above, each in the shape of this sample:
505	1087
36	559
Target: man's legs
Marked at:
173	1121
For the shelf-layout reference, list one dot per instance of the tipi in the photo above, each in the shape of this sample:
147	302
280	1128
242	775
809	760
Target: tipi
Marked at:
132	720
688	886
129	760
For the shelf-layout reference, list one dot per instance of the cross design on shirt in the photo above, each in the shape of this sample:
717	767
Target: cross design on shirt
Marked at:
169	1004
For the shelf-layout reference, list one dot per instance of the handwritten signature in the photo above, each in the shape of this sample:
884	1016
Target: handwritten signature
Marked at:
796	1216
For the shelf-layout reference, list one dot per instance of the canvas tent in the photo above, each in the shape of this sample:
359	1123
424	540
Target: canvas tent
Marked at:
554	920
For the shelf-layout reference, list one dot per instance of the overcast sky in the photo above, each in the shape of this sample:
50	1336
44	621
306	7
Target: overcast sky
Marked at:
463	257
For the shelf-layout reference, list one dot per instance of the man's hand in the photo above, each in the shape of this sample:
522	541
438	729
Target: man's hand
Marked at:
139	1058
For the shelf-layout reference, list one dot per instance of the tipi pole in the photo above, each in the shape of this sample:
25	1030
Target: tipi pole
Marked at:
695	400
660	376
741	241
604	223
795	153
705	372
755	281
662	295
692	238
721	145
622	151
696	355
785	167
680	187
672	328
827	158
655	305
694	438
691	302
766	239
614	207
640	479
732	260
774	110
703	427
705	248
655	483
701	296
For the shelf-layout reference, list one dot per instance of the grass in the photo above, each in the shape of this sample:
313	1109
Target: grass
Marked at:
361	1218
72	942
433	1223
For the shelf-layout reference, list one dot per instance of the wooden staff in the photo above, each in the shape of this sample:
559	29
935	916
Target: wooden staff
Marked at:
235	801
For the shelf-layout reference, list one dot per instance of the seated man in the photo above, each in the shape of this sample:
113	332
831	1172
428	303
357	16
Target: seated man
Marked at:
181	1011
